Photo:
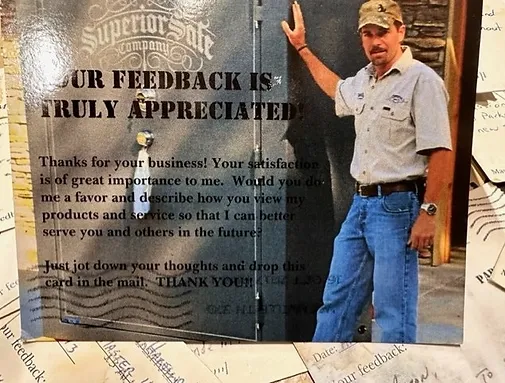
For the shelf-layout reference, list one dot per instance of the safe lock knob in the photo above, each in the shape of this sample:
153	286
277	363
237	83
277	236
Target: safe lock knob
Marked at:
145	138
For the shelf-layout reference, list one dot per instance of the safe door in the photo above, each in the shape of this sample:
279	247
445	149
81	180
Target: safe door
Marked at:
248	168
147	134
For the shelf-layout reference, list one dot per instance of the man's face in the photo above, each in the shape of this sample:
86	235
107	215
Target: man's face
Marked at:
382	46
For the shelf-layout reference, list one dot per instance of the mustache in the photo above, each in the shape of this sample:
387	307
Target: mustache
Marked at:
377	50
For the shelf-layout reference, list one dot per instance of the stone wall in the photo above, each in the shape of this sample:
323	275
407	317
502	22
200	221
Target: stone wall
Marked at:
427	27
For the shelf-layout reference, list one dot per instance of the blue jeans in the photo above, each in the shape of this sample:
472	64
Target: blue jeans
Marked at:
371	254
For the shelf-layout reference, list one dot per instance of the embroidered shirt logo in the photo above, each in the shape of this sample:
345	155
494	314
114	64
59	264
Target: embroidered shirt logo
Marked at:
397	99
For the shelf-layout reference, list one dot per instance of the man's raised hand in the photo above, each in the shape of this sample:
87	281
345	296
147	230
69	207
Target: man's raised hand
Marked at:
322	75
295	36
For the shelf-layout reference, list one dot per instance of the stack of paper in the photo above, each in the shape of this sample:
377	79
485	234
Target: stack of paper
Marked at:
489	129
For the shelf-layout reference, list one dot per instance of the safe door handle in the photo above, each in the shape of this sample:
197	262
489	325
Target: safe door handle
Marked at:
141	185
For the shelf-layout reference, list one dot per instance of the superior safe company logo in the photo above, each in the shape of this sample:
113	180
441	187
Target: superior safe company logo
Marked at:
147	34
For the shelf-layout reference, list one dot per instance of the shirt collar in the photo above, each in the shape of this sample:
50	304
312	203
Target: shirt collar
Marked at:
401	65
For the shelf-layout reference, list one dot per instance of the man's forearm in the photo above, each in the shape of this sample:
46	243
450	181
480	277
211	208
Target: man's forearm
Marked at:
438	173
423	231
323	76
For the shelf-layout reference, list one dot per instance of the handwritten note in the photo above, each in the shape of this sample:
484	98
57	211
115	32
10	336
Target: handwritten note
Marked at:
490	76
489	135
384	363
252	363
152	353
176	362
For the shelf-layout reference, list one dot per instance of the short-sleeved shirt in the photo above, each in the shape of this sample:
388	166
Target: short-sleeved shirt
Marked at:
397	117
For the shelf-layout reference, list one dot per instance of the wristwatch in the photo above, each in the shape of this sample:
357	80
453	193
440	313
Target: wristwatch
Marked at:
430	208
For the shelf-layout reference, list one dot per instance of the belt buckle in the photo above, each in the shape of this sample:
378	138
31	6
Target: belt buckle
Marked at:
360	190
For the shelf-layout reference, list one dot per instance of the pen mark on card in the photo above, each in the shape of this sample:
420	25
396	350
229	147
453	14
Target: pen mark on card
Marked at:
66	352
422	378
118	362
482	374
222	370
150	350
6	230
205	347
9	314
9	322
8	303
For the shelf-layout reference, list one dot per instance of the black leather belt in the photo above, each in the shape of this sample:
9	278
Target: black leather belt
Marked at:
375	190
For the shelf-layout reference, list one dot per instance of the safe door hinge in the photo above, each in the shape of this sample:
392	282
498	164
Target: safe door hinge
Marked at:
256	156
260	320
258	13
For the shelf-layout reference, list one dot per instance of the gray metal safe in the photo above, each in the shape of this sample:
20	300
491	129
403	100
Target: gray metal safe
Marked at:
198	36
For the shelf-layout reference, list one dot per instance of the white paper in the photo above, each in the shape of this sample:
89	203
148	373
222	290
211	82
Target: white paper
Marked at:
484	345
250	363
9	291
489	135
492	55
6	196
498	275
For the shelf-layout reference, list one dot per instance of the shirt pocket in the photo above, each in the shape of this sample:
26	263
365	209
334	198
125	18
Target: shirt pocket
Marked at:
396	121
360	117
395	113
359	107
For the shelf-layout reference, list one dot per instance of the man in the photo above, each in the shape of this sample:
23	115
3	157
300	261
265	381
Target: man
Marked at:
402	130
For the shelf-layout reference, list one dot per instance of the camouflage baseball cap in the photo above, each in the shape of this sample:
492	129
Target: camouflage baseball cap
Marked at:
379	12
